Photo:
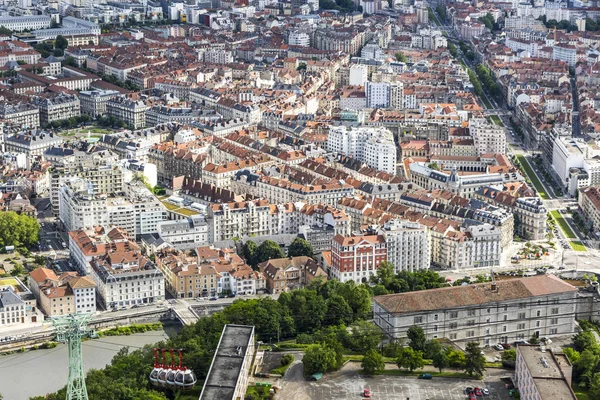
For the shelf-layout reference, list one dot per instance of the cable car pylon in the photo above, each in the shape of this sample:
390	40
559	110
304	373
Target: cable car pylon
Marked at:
70	329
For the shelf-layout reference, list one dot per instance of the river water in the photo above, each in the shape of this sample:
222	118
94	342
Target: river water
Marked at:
35	373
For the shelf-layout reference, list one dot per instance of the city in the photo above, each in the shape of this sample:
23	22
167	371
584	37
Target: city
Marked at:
299	199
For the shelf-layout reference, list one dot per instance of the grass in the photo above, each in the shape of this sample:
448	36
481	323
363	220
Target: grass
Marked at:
563	225
580	392
533	177
486	101
281	370
577	245
496	120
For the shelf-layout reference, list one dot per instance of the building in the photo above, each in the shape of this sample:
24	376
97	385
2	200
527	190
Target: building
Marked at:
25	22
543	375
93	102
32	143
285	274
589	203
12	308
356	258
25	115
227	377
185	234
124	277
408	245
488	138
487	313
377	94
84	245
64	294
132	112
57	108
373	146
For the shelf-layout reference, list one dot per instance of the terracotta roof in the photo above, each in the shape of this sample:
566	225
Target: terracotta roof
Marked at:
473	295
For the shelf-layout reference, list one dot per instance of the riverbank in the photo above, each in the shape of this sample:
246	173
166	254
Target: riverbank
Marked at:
18	371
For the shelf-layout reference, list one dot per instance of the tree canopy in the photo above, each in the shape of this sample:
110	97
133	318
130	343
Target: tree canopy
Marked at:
474	360
410	359
18	230
61	42
404	281
300	247
372	362
267	250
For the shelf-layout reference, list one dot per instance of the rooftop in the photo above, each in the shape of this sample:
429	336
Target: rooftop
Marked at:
545	369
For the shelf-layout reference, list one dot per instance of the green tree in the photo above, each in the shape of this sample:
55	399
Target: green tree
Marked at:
338	311
300	247
509	355
18	230
416	338
452	50
286	359
440	360
372	362
572	354
431	348
391	349
365	336
61	42
249	250
595	386
583	340
474	360
267	250
410	359
401	58
307	309
456	358
319	358
5	31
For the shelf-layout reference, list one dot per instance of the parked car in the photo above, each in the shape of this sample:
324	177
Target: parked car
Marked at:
478	392
425	376
213	298
506	345
367	392
472	396
485	392
498	347
468	390
519	342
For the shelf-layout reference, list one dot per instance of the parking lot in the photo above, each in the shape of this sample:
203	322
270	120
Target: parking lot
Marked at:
348	384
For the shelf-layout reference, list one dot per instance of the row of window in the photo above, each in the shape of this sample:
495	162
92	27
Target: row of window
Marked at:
472	313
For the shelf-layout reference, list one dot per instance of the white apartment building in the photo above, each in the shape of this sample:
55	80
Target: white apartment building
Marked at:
487	313
377	94
185	234
57	108
25	22
132	112
408	245
373	146
93	102
487	138
298	38
358	75
565	52
26	115
12	308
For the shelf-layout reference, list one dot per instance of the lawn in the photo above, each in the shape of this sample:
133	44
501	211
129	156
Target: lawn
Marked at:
486	101
496	120
533	177
580	392
577	245
563	225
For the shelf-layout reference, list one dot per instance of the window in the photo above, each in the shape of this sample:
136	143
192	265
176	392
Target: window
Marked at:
505	308
471	322
554	311
418	320
454	314
470	333
453	325
537	324
553	331
554	321
471	313
435	328
522	315
539	312
521	326
452	336
506	317
522	305
504	328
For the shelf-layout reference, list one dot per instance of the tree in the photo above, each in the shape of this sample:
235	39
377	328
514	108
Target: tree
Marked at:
319	358
595	386
586	366
416	338
474	360
410	359
456	358
18	230
5	31
268	250
300	247
338	311
372	362
401	58
509	355
431	348
584	340
307	309
61	42
249	250
572	354
440	360
365	336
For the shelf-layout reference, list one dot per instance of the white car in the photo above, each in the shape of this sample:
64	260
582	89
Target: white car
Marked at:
485	392
498	347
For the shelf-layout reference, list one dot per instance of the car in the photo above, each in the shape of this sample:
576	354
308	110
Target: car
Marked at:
63	244
498	347
213	298
478	392
425	376
472	396
367	392
135	306
505	345
231	295
199	298
468	390
485	392
42	224
519	342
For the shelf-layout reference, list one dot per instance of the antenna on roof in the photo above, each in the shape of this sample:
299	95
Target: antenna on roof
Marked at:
494	285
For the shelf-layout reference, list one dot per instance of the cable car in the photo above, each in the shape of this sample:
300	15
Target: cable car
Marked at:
185	379
156	370
172	371
162	374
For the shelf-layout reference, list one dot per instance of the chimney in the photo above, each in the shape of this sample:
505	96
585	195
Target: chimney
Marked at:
494	286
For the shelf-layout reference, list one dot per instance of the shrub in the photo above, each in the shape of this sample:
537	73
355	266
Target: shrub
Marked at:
286	359
304	338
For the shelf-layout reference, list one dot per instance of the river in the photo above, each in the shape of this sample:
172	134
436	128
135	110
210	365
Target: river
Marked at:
35	373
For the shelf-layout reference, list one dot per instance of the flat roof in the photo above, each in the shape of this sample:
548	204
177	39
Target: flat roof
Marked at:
227	363
545	369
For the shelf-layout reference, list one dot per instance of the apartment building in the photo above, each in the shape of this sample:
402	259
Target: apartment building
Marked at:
124	277
487	137
356	258
487	313
25	22
25	115
185	234
31	143
373	146
132	112
239	219
86	244
64	294
285	274
93	102
57	108
589	203
13	310
543	375
408	245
